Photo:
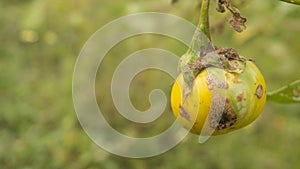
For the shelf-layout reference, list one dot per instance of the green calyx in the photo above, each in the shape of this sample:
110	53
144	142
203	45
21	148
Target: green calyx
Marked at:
203	55
223	58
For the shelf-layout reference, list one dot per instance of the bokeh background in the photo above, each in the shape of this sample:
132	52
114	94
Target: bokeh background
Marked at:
41	39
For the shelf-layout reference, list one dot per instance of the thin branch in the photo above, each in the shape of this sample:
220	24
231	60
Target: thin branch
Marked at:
204	18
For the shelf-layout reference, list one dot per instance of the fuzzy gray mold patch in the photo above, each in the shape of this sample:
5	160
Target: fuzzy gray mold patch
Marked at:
213	81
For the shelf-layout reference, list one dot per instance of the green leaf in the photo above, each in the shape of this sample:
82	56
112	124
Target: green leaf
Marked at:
287	94
297	2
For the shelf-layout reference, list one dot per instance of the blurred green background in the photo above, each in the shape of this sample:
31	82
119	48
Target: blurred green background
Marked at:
41	39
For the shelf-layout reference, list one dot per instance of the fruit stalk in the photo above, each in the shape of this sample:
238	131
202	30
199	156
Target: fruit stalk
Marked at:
204	18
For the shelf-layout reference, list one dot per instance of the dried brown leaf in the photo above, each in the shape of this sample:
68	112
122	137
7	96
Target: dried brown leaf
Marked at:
237	21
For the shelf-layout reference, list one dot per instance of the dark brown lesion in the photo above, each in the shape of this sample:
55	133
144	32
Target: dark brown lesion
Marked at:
240	97
227	118
259	91
236	79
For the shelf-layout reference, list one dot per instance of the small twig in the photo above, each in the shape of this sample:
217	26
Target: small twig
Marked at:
204	18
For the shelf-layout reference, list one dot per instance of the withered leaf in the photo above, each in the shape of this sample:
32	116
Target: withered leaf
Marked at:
237	21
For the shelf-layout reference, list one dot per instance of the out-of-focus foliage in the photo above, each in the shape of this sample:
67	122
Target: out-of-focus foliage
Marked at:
40	41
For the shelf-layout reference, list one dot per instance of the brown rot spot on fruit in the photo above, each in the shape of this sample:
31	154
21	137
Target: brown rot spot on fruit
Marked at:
222	117
233	77
259	91
240	97
236	79
184	114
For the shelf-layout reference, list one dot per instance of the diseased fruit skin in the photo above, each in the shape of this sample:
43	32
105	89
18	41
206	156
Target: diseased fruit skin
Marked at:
243	95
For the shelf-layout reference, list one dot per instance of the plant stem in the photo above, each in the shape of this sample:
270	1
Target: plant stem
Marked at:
204	18
297	2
